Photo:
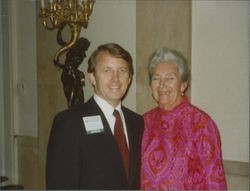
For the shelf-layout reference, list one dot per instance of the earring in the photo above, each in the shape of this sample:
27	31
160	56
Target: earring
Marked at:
182	94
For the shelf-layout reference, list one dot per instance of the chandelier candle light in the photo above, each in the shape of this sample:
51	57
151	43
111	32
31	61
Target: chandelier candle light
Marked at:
74	13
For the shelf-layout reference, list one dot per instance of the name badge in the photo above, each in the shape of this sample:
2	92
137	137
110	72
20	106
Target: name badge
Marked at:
93	124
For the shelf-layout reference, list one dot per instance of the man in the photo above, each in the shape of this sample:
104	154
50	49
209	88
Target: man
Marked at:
83	150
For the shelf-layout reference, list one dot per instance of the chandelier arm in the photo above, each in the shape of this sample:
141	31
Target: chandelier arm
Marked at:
58	14
75	33
59	37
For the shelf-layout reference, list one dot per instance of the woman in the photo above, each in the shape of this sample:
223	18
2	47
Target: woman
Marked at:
181	147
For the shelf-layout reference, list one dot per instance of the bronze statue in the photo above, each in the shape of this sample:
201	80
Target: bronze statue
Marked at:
73	79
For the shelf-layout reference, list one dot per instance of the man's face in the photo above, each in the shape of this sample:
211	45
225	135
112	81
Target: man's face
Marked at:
111	78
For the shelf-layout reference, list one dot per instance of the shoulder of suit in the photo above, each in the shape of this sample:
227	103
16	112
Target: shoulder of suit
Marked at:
70	112
130	112
78	110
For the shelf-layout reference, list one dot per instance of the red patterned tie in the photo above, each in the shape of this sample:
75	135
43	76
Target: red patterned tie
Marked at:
121	140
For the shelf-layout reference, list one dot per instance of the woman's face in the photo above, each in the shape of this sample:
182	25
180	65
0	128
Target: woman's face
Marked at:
166	85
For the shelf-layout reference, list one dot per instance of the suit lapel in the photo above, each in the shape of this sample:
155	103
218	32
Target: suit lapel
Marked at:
94	109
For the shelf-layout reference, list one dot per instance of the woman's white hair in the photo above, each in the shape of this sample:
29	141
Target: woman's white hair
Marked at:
163	55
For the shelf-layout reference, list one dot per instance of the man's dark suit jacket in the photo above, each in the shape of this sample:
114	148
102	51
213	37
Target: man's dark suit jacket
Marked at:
77	160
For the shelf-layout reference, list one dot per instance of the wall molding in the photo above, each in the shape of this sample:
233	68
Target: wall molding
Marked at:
236	167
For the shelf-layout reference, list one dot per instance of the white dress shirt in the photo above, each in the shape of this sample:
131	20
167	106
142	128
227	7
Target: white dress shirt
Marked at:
108	110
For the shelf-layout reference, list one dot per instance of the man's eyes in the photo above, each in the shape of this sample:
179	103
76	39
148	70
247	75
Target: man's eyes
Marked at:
107	70
121	70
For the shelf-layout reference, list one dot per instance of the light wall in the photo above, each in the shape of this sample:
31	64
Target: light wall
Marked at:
159	24
2	150
219	46
112	21
24	59
220	70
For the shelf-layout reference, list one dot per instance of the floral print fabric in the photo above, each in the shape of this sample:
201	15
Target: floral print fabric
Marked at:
181	150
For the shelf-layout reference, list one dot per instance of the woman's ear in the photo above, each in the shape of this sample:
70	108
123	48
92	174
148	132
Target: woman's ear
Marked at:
184	86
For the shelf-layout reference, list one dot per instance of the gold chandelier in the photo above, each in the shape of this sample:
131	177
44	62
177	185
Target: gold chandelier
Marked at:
58	13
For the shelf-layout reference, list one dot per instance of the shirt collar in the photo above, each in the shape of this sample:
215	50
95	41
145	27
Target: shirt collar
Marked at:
106	108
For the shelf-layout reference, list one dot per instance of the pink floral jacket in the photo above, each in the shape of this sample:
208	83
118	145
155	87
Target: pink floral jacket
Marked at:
181	150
